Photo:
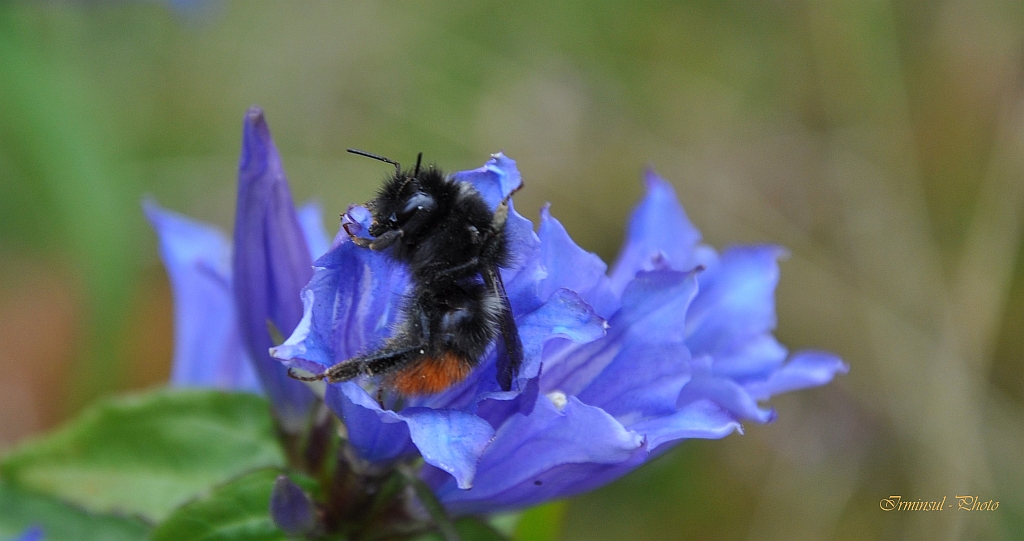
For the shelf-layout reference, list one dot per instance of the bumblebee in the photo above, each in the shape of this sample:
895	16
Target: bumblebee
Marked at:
453	245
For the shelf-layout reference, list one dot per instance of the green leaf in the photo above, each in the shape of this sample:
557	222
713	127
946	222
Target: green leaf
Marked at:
238	510
20	509
148	454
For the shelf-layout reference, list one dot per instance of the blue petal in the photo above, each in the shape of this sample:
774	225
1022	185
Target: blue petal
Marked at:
726	394
551	453
271	263
658	228
496	407
805	370
495	180
648	363
702	419
34	533
749	358
378	435
357	221
736	299
291	508
349	307
522	277
571	267
311	220
300	350
208	350
564	316
643	380
654	308
449	440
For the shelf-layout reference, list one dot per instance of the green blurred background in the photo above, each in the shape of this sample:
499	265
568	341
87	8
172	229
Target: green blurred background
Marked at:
880	141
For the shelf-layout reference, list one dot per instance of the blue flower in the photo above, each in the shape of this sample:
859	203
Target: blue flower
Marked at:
34	533
225	301
675	343
291	509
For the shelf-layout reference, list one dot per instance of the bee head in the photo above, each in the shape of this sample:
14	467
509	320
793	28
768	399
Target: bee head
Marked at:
401	205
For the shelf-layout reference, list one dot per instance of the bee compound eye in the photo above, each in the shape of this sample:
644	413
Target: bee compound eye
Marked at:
419	202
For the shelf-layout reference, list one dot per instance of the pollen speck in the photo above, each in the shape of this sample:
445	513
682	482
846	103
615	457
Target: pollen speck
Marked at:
558	398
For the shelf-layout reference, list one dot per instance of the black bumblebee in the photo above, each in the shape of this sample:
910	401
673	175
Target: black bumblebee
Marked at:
453	245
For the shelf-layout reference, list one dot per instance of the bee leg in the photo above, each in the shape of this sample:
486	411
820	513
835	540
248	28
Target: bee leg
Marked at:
362	242
293	375
385	240
378	244
388	359
343	371
371	365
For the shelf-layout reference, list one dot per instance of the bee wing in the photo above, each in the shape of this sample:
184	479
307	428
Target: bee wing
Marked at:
508	364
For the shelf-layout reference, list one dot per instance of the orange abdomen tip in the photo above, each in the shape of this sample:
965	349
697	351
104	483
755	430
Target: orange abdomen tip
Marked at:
430	375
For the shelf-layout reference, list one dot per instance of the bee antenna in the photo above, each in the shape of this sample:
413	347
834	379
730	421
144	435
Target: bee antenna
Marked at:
398	168
419	158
